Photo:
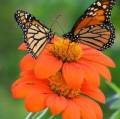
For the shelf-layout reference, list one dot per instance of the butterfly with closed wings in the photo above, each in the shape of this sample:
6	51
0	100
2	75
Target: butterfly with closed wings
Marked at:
36	35
93	28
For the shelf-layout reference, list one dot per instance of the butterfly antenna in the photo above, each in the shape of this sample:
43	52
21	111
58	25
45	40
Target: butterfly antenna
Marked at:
56	21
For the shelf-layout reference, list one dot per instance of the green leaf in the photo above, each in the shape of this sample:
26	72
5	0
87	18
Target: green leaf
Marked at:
116	115
115	105
114	87
114	102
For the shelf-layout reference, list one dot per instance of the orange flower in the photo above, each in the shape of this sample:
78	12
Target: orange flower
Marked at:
64	78
54	94
76	62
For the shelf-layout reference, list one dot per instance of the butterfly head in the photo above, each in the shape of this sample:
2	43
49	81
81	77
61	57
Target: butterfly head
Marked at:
71	36
68	35
50	35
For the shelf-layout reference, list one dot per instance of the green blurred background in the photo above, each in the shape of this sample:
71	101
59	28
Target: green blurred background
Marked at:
11	36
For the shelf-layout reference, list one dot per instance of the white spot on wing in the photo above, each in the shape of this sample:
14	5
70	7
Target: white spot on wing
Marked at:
99	4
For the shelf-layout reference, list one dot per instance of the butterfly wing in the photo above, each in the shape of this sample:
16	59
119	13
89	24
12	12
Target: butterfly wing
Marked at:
98	14
36	35
99	37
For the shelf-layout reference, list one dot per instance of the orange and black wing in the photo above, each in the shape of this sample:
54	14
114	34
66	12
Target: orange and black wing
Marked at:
36	35
96	18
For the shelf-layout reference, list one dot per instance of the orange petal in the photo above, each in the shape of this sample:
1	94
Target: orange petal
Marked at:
22	47
56	38
93	105
28	74
85	47
56	104
93	92
73	74
91	52
21	88
86	110
91	76
102	59
47	65
35	101
27	63
72	111
103	71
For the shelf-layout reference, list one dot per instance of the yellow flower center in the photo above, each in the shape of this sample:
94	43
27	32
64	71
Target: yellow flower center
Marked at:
66	50
58	86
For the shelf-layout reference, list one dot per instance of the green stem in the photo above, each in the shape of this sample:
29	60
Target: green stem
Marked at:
45	114
51	117
31	115
114	87
35	116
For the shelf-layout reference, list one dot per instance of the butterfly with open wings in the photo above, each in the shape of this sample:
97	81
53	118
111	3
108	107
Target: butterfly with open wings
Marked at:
93	28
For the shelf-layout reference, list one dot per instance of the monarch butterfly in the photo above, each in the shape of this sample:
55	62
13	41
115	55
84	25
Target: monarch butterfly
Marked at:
94	28
36	35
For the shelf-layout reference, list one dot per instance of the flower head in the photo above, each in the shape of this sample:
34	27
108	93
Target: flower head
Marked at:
75	61
58	97
66	50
